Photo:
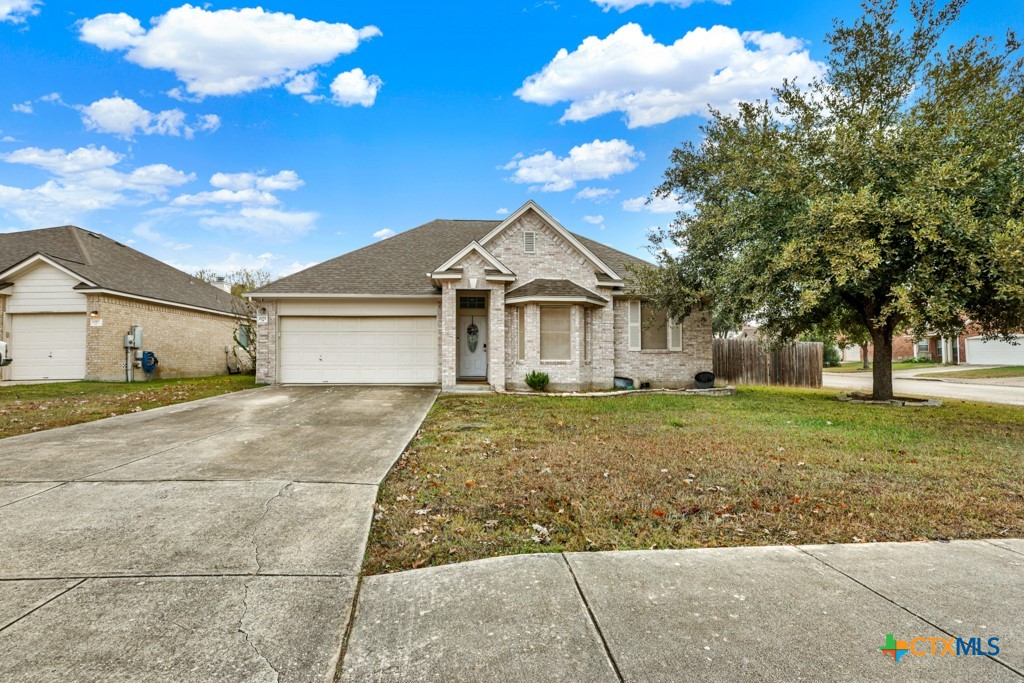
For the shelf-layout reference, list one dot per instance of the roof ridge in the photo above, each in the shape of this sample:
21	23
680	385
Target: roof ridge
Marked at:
83	249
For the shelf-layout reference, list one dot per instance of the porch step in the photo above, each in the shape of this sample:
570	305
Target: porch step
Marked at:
475	388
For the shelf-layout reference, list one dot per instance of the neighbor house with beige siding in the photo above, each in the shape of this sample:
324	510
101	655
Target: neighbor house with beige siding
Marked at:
473	301
69	296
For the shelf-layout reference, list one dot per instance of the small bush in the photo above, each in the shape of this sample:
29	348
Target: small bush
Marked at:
538	381
831	356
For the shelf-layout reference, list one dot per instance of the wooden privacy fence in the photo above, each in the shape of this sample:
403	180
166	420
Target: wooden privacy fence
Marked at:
744	361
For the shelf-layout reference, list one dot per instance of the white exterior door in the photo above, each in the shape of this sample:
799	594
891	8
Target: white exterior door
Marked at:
995	352
472	352
47	346
358	350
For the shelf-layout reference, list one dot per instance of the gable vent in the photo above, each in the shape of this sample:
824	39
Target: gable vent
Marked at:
529	242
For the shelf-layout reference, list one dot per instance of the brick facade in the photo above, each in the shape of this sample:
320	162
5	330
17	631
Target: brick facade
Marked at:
188	343
598	333
659	367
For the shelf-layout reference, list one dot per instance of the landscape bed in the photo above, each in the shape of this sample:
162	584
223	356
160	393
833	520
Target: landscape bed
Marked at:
500	475
26	408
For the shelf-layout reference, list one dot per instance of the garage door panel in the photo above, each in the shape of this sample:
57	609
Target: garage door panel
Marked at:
363	350
48	346
995	352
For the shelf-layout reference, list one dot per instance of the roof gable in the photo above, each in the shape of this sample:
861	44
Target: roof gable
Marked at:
109	266
474	247
557	227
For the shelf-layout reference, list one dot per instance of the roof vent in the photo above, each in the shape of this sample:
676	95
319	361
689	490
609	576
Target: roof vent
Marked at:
529	242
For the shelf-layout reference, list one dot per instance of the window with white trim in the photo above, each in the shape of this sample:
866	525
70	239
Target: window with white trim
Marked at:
529	241
555	323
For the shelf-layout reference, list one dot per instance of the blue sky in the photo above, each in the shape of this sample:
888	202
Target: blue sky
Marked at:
223	136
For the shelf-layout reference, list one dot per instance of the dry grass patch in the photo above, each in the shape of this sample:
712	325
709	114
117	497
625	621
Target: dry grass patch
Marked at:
28	408
499	475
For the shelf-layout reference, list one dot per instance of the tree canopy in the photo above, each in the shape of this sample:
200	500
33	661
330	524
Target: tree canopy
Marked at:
888	193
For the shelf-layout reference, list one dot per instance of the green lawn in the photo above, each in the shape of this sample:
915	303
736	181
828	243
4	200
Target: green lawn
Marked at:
498	475
34	407
858	366
980	373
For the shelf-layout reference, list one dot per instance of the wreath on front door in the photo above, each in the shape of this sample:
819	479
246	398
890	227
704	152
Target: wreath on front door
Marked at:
472	336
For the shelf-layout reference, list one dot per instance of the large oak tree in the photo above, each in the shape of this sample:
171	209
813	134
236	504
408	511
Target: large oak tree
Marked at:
888	192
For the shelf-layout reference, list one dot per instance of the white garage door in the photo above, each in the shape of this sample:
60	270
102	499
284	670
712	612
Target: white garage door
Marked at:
398	350
995	352
48	346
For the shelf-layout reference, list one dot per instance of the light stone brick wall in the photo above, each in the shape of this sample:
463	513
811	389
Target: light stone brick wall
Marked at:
673	369
187	343
266	343
473	280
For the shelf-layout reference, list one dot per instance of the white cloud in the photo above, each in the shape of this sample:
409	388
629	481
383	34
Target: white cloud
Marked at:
264	222
225	52
16	11
295	267
623	5
651	83
249	197
589	161
246	202
669	204
22	108
354	87
146	232
596	194
384	234
125	118
594	220
303	84
502	211
282	180
82	181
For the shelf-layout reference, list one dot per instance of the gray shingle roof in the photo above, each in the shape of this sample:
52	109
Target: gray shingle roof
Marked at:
111	265
554	288
399	264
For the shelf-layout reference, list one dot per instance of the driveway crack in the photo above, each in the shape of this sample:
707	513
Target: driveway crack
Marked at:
256	527
246	635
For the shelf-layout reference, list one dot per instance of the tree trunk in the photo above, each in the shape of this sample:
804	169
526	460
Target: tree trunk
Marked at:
881	370
864	355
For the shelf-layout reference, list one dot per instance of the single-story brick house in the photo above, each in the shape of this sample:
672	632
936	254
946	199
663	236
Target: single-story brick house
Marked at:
969	347
455	301
69	296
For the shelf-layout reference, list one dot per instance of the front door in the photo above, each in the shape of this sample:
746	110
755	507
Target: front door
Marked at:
472	335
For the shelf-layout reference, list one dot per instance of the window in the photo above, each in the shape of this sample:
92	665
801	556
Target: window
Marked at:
651	330
522	333
654	330
554	332
471	302
529	242
923	348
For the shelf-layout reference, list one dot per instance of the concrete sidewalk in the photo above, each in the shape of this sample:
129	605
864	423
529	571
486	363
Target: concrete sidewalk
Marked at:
732	614
910	385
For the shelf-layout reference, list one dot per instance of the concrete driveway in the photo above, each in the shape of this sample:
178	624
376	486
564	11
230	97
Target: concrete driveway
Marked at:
214	540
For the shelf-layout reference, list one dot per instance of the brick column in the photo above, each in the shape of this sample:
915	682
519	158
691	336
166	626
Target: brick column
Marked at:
266	344
496	340
447	323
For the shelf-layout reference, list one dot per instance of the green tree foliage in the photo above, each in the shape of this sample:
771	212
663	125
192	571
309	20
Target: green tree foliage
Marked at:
888	192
